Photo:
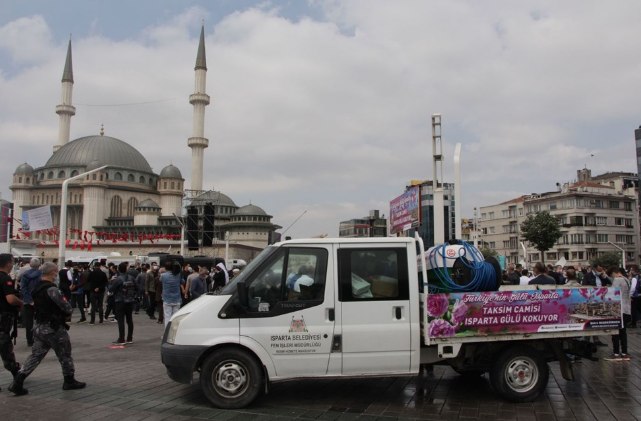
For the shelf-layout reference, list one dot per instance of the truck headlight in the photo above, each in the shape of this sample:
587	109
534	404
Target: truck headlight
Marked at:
173	328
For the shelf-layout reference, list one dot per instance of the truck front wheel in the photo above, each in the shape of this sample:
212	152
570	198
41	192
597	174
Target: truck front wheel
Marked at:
519	374
231	378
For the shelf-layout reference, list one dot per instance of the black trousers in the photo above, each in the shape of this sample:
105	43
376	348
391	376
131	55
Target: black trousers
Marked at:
125	311
621	337
151	308
111	301
77	300
97	299
27	321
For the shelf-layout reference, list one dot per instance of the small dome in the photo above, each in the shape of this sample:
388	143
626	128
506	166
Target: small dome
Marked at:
250	210
148	203
170	172
24	169
93	165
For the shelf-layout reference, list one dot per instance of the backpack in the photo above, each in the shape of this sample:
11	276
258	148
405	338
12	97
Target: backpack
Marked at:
128	290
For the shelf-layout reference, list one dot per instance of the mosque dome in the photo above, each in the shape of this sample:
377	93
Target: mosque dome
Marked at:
24	169
93	165
170	172
217	198
107	150
251	210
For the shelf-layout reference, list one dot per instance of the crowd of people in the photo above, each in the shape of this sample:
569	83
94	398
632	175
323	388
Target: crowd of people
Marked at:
42	298
595	276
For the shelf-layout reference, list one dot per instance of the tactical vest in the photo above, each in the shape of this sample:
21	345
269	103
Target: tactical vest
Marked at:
46	311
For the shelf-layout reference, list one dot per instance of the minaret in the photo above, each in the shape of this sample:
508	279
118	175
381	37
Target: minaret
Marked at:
199	99
65	110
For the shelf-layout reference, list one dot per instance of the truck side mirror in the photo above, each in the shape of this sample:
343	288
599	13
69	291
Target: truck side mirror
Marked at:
242	294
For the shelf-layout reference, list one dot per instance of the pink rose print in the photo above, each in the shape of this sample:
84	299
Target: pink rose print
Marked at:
459	312
440	328
437	305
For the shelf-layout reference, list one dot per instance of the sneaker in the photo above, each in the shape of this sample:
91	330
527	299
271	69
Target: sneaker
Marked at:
613	357
100	322
129	341
92	324
82	321
160	322
114	321
625	357
119	342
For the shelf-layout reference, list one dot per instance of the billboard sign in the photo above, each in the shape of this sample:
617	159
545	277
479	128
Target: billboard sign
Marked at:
37	219
405	211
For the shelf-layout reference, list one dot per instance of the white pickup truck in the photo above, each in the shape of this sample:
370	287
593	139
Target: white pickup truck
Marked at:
322	308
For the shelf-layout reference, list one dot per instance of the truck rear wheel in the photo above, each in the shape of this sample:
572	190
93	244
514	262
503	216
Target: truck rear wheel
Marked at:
231	378
519	374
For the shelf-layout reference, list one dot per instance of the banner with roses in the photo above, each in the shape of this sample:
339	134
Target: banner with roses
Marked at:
529	311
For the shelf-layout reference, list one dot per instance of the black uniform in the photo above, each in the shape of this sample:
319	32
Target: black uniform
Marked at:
97	279
7	315
51	311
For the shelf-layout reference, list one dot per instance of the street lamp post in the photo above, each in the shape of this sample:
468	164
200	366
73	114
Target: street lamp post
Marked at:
182	235
63	213
622	252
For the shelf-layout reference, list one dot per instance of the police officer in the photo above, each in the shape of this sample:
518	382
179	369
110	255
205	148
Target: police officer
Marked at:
52	310
10	305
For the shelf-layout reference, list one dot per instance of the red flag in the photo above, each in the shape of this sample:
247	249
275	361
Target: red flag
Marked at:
89	246
74	245
82	245
67	242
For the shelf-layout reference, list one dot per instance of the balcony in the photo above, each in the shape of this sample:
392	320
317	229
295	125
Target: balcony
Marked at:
573	224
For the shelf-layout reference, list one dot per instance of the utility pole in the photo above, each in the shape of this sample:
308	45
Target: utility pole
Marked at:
437	155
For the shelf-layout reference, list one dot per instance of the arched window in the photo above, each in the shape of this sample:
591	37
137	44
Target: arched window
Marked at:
100	177
95	176
164	185
50	175
131	204
151	181
74	173
61	174
173	185
178	185
27	180
116	207
141	180
118	176
19	179
130	178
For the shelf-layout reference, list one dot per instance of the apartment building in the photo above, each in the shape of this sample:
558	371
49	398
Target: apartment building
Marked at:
597	214
368	226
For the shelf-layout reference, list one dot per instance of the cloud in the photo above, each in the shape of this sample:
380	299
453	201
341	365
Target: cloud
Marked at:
331	115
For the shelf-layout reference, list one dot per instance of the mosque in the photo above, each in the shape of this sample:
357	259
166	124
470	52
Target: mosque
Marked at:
128	197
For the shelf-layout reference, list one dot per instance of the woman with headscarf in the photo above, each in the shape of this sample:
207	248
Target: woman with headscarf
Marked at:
221	277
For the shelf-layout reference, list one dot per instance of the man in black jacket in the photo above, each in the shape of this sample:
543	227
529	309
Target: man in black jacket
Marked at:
96	283
540	276
596	277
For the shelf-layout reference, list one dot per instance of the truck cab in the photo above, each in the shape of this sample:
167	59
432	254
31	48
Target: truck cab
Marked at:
314	308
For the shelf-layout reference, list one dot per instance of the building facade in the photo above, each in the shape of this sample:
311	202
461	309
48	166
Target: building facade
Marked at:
368	226
597	214
426	229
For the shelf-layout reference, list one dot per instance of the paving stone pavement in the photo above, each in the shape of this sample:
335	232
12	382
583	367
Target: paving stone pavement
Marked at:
131	384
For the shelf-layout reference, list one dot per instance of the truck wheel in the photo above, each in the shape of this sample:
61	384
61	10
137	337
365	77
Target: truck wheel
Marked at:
231	378
519	374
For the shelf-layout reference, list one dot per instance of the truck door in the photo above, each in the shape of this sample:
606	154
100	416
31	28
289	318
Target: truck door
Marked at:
291	310
374	305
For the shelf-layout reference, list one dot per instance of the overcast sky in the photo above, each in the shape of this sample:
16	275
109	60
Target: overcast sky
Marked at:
325	106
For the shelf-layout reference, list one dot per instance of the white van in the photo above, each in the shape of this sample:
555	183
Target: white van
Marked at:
322	308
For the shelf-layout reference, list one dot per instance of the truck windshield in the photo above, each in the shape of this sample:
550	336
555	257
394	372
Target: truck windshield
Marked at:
230	288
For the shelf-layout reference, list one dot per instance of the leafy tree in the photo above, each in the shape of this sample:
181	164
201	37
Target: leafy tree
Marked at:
541	230
488	252
608	260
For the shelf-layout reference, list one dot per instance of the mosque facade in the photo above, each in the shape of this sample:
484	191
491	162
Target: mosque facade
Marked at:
128	196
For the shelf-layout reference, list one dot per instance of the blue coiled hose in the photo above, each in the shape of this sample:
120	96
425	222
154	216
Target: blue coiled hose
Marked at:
484	274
